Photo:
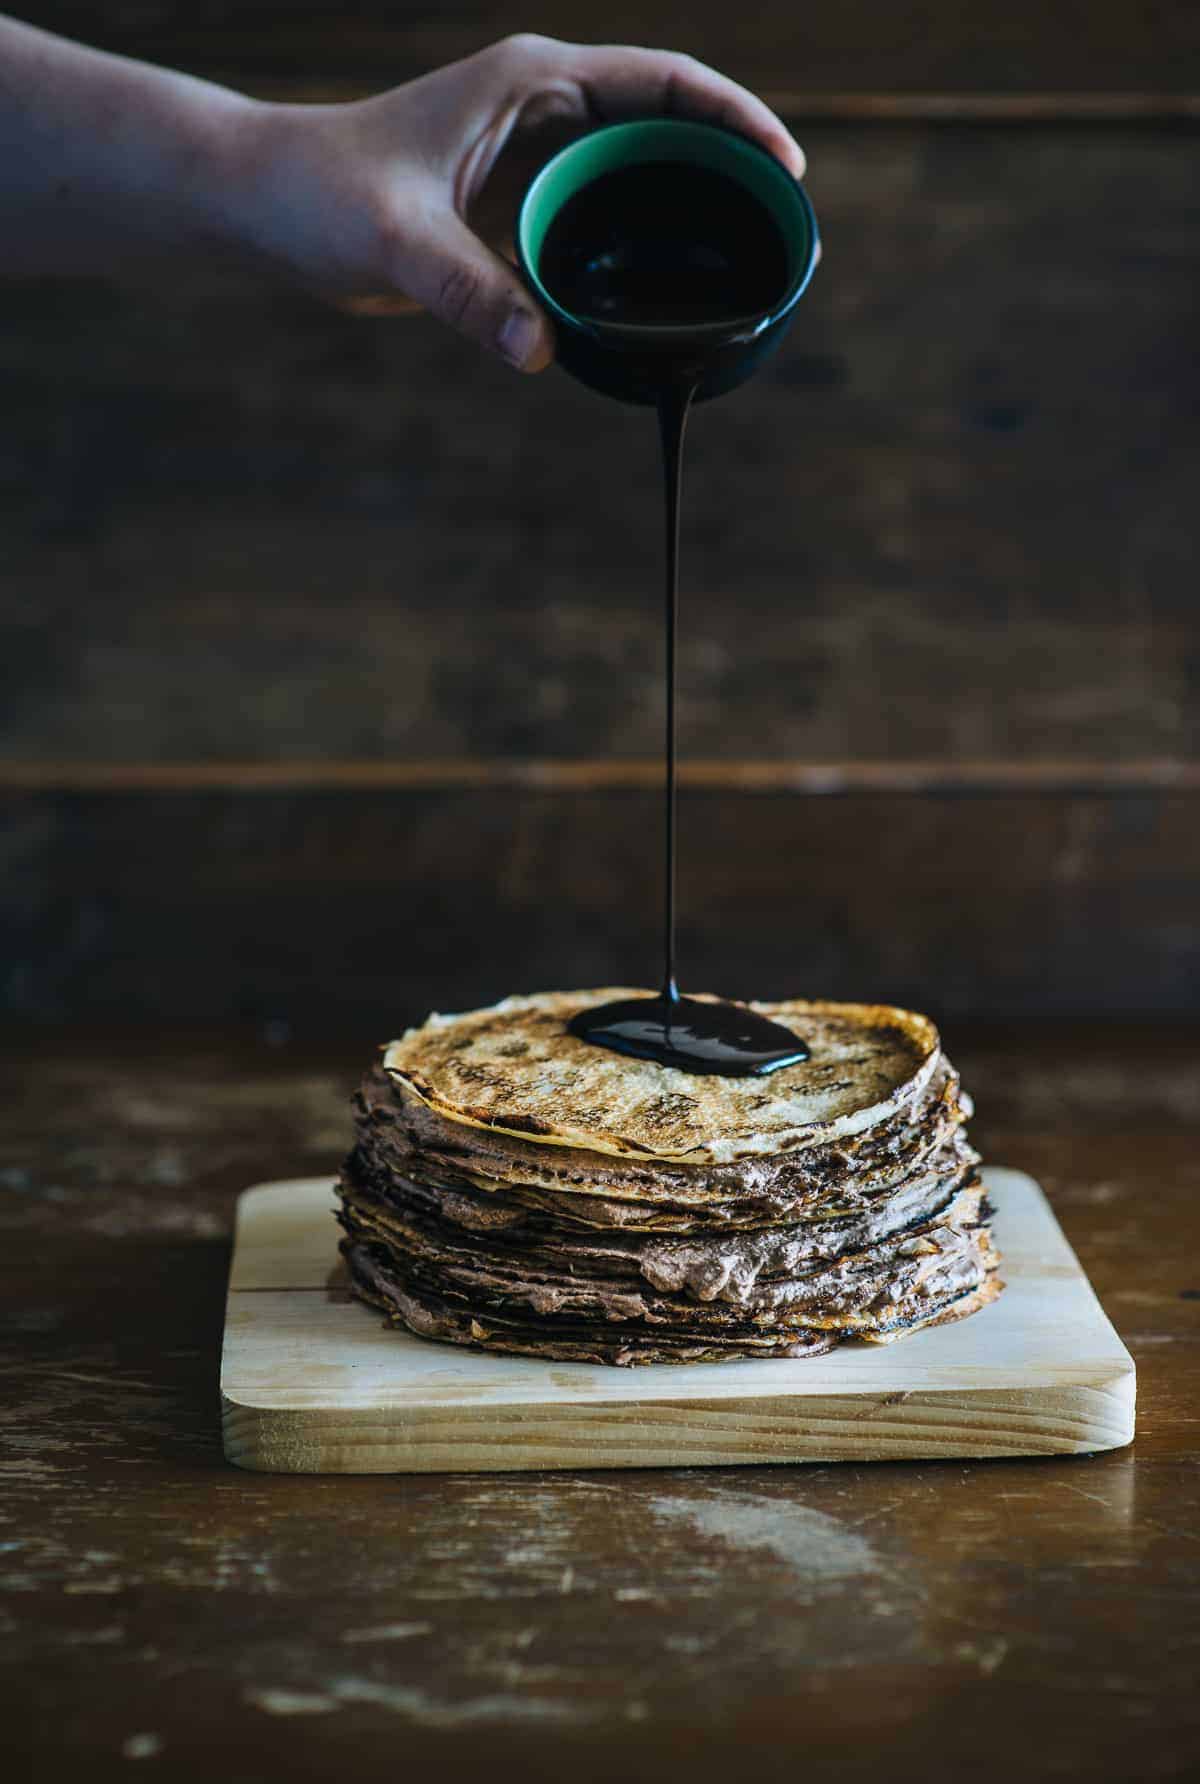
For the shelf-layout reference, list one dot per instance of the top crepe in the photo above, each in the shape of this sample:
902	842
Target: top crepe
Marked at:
514	1067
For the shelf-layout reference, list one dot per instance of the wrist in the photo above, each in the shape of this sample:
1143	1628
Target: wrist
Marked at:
243	182
297	200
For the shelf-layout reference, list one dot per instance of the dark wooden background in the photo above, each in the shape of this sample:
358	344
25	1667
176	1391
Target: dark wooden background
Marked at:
329	651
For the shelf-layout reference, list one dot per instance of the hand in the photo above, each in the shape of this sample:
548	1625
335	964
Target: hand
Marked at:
393	200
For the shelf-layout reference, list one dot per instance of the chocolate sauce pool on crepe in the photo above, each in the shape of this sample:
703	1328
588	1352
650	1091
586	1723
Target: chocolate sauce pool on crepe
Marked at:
675	245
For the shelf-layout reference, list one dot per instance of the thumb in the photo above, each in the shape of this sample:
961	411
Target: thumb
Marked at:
453	274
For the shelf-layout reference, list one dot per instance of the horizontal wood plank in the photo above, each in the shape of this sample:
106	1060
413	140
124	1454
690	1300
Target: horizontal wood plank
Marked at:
378	904
592	774
995	46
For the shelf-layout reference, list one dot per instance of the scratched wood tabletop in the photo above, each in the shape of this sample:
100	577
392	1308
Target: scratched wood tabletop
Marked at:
161	1610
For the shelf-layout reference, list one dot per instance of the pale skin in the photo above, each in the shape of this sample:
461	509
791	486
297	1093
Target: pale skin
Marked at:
108	165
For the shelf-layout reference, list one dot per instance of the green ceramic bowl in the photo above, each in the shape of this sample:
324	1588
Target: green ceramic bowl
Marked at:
624	360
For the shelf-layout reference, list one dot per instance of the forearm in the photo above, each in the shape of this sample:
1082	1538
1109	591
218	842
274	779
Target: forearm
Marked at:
105	160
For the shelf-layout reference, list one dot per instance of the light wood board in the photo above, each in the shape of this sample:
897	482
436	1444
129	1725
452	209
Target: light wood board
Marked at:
313	1382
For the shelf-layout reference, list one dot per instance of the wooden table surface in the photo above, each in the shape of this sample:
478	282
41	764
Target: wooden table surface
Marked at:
1017	1619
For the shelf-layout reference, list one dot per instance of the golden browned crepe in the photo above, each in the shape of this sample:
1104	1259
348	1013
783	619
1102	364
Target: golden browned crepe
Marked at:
515	1068
514	1188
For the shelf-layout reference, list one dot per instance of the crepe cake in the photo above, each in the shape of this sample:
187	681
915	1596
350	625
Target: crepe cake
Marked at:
514	1188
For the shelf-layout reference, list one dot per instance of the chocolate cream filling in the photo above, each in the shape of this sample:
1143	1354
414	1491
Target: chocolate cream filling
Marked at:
402	1136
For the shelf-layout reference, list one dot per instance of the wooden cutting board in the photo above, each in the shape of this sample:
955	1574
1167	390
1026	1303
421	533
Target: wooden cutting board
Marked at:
313	1382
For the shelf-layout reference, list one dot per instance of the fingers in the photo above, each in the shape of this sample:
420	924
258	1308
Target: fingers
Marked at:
623	82
446	268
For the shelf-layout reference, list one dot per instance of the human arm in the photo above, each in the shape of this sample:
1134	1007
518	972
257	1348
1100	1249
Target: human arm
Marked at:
110	163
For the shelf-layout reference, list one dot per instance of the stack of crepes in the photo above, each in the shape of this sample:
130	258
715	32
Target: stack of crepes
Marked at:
517	1189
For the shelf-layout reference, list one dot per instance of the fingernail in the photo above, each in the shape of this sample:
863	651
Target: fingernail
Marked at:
518	337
